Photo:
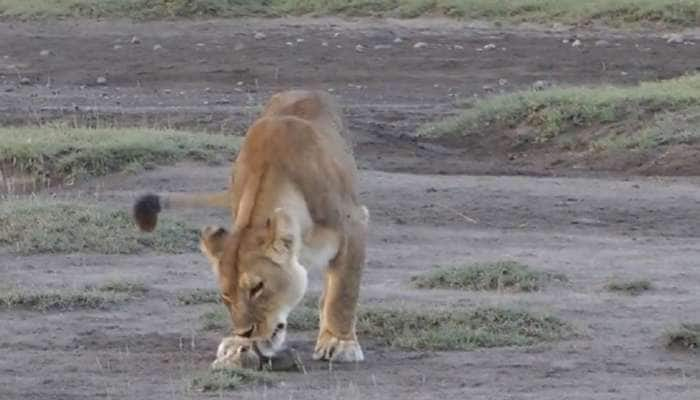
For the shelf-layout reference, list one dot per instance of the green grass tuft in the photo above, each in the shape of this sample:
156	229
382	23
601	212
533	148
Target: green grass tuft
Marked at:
51	153
686	337
126	287
215	380
60	299
431	329
46	226
503	275
554	111
633	288
199	296
615	13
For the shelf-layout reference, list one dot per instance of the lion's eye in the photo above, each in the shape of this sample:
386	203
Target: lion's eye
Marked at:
256	290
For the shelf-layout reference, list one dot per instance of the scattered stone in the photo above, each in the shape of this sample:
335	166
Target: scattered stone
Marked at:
259	36
398	40
200	44
45	53
207	90
101	80
289	44
576	43
300	40
135	40
382	46
502	82
25	81
602	43
420	45
336	34
157	47
206	103
324	44
331	90
359	48
117	46
565	41
541	85
489	46
167	91
240	83
339	46
675	38
458	47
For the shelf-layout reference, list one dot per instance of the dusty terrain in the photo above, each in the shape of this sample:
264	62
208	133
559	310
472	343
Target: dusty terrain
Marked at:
590	228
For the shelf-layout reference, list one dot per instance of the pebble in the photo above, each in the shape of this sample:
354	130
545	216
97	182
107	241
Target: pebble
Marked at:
259	35
157	47
101	80
359	48
45	53
135	40
576	43
420	45
200	45
541	85
117	46
324	44
398	40
489	46
602	43
675	38
336	34
300	40
458	47
502	82
25	81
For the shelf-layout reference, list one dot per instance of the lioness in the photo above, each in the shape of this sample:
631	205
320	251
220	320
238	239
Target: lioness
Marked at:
295	208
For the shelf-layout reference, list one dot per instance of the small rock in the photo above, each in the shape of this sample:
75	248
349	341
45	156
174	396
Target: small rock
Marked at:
167	91
135	40
324	44
336	34
240	83
25	81
200	44
259	35
331	90
45	53
398	40
289	44
489	46
675	38
565	41
117	46
541	85
157	47
502	82
602	43
576	43
359	48
458	47
101	80
420	45
300	40
207	90
206	103
382	46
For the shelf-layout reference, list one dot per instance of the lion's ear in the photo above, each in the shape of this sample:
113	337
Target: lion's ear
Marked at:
212	243
281	237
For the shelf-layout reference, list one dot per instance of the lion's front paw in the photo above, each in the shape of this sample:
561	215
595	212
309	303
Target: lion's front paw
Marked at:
331	348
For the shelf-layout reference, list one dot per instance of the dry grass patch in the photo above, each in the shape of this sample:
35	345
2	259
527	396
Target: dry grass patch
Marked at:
685	337
41	226
430	329
59	153
198	296
502	275
632	288
216	380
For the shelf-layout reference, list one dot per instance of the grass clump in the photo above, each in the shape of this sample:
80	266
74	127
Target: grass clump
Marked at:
126	287
685	337
215	380
554	111
633	288
615	13
46	226
503	275
64	154
198	296
431	329
60	299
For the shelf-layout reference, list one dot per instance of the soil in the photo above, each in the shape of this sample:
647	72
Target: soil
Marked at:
214	74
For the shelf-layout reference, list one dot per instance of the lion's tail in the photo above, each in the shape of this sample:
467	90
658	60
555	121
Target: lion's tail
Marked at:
148	206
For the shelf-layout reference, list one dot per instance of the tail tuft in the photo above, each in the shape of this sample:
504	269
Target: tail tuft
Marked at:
146	211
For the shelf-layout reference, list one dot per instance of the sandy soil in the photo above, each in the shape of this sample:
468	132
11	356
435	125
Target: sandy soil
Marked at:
590	228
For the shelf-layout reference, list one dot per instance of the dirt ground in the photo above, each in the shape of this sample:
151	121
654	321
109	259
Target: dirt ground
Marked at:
213	74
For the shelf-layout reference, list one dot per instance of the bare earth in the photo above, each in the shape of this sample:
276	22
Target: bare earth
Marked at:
590	228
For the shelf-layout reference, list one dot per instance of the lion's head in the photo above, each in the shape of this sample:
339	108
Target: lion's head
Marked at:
259	276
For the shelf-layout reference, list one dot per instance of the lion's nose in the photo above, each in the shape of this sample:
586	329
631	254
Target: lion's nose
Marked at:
247	333
280	326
